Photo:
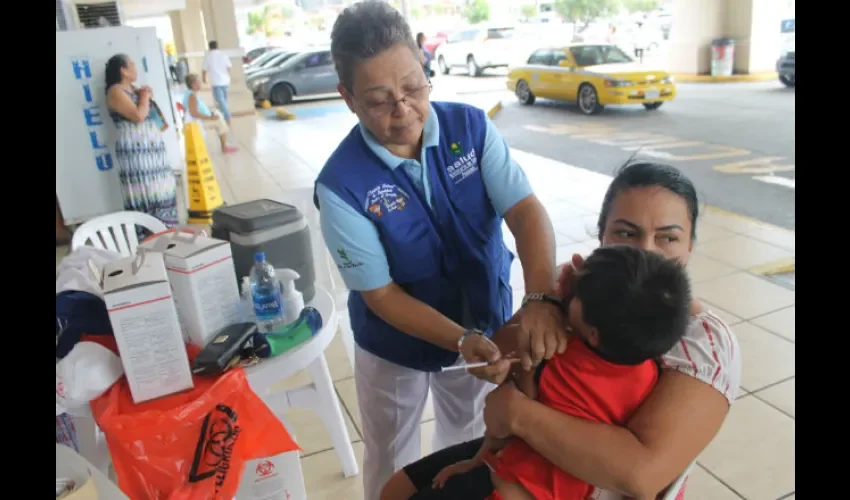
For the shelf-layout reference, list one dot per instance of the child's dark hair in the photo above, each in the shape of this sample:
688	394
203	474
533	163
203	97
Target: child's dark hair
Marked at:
638	301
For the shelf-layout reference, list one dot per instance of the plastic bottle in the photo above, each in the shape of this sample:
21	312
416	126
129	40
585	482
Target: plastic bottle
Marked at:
293	300
265	292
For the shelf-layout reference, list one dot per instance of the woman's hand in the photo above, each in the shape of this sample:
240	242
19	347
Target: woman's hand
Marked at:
145	92
500	410
541	333
567	278
484	349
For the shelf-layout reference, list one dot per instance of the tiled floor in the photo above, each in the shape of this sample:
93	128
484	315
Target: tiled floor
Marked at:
753	455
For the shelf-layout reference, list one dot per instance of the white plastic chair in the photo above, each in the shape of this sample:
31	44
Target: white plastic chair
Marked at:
672	492
115	231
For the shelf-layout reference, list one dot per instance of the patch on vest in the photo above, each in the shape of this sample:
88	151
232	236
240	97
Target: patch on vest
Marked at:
385	198
463	167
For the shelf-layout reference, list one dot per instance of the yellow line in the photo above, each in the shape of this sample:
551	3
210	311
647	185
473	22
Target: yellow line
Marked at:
495	109
748	219
756	77
781	266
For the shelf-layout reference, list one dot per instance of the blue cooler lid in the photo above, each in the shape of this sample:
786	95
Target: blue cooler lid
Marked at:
257	215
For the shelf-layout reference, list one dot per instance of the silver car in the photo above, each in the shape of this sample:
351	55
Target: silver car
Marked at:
310	73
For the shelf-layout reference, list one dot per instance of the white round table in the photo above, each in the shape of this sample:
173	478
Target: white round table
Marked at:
320	395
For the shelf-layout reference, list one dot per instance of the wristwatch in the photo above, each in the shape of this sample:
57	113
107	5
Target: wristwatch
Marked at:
540	297
473	331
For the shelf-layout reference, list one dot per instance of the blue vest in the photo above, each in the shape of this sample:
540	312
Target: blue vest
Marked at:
436	255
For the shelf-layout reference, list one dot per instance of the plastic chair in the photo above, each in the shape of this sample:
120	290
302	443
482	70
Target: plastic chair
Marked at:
115	232
676	491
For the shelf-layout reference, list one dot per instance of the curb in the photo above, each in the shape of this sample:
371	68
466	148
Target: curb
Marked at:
782	266
756	77
283	113
495	109
748	219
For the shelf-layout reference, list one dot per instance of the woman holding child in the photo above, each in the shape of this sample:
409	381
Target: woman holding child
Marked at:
652	207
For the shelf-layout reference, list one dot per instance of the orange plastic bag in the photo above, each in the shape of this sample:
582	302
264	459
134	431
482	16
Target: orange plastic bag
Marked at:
192	445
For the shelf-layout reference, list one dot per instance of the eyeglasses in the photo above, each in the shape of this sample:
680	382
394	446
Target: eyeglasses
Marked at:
377	110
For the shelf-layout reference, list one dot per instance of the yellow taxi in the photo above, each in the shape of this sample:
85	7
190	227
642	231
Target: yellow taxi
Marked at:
593	75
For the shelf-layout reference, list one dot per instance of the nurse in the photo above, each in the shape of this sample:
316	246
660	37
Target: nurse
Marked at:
412	203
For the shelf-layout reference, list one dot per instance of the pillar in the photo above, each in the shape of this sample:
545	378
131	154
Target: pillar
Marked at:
753	24
189	39
219	18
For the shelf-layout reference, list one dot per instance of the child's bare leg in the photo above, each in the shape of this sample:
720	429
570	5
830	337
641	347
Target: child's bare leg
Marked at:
510	491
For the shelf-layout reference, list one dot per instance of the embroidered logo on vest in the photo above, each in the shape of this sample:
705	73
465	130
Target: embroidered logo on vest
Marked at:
385	198
455	147
463	167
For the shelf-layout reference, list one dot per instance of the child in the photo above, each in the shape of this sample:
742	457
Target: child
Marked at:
630	307
197	110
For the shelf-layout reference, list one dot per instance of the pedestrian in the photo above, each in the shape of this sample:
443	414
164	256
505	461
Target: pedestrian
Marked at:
640	41
217	67
197	111
411	207
147	181
425	56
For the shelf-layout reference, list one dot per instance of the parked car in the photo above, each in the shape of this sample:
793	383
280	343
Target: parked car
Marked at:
432	42
264	58
786	68
308	73
476	49
271	64
255	53
593	75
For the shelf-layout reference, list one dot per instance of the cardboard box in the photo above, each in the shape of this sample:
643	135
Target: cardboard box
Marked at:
203	278
147	331
273	478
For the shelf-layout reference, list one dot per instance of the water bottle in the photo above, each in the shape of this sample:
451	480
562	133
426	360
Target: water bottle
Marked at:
265	292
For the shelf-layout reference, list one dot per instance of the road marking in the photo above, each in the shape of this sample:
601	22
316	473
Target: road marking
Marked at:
762	165
658	146
775	179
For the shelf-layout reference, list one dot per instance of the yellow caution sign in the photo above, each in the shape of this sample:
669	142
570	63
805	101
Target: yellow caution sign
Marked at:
204	195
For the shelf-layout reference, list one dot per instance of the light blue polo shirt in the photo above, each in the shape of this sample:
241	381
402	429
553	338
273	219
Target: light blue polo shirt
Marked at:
344	227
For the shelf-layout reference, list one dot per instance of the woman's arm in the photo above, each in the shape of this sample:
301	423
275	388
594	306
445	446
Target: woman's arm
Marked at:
678	420
120	102
193	109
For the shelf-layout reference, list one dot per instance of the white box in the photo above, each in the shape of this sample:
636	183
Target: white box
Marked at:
147	331
274	478
203	278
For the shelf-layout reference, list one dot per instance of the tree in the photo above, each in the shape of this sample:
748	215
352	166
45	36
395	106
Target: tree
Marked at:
477	11
640	5
528	10
576	11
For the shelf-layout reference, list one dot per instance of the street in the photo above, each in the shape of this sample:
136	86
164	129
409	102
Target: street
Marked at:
734	140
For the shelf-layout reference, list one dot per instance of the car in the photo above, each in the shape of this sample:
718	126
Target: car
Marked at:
263	58
476	49
255	53
307	74
593	75
785	67
432	42
270	65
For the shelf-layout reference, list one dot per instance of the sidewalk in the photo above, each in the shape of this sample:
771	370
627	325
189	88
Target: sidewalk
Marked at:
753	455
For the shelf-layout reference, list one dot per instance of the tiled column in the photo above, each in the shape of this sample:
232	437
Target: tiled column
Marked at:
220	23
753	24
188	28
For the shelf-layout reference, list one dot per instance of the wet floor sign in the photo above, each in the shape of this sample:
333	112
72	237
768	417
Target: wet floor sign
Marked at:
204	194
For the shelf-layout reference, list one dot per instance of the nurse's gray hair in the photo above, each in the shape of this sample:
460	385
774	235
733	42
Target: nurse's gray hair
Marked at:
364	30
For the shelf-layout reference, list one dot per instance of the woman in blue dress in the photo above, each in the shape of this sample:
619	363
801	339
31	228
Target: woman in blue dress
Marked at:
147	181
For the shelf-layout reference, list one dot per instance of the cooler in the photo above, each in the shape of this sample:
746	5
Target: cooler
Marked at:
278	229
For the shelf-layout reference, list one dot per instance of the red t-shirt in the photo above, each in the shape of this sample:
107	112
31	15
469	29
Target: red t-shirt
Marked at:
582	384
